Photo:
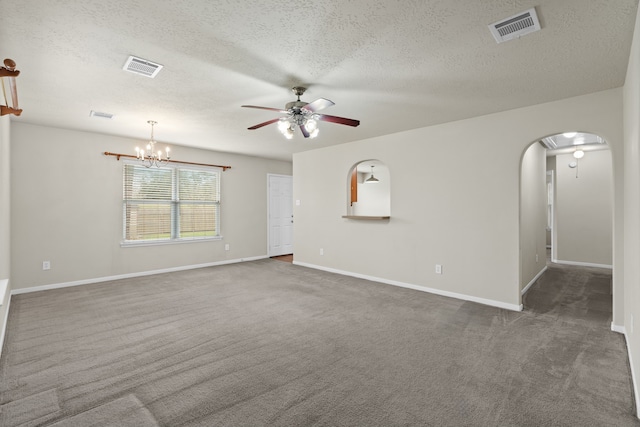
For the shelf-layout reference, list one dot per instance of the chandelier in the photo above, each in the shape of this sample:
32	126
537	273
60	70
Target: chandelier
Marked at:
151	157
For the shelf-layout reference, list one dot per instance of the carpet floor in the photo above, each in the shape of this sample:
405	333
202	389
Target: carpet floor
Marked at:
267	343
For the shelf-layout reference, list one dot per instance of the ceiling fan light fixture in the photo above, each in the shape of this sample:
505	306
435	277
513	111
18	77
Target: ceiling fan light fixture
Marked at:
578	154
311	125
283	125
303	115
288	134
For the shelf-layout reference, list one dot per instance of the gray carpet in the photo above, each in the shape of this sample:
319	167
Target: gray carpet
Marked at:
270	343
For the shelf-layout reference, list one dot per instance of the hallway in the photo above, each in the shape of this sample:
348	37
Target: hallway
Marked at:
572	293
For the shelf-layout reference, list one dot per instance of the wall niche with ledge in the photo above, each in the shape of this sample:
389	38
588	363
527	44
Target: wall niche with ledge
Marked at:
368	191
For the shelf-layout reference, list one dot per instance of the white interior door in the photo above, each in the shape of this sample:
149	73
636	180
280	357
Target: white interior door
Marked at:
280	214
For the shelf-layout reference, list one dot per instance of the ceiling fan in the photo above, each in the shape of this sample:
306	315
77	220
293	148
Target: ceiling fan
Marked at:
303	115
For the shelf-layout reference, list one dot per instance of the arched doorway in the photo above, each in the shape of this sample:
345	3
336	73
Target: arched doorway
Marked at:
566	204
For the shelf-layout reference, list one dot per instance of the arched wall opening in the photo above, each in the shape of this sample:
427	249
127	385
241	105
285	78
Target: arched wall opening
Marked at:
369	189
566	204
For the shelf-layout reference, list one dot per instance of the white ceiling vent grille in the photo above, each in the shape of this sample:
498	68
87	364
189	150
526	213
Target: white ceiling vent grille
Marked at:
100	114
142	67
515	26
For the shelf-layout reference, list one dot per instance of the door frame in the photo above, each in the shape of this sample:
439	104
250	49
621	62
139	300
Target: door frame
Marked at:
551	175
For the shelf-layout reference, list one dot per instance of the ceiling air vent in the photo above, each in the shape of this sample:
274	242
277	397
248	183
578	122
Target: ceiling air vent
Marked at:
142	67
100	114
515	26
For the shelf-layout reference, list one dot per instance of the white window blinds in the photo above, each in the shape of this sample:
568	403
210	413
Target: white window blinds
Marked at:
199	203
170	203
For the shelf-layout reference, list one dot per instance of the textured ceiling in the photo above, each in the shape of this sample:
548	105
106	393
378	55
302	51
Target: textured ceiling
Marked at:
394	65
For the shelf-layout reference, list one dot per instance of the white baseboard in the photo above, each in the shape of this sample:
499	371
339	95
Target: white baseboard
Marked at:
129	275
634	383
582	264
493	303
540	273
618	328
4	286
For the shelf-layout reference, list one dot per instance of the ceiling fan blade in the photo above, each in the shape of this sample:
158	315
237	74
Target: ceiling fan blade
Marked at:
304	131
268	122
339	120
318	104
266	108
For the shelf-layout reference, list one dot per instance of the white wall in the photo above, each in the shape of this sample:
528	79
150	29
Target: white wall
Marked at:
5	225
66	207
533	213
584	209
450	204
632	206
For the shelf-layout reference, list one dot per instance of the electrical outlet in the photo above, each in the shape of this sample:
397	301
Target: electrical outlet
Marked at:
46	265
226	247
536	257
438	269
321	251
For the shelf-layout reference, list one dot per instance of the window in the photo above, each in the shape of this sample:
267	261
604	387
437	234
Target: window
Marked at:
170	203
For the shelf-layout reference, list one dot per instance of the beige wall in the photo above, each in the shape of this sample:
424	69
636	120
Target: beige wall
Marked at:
450	204
632	206
66	208
584	209
533	213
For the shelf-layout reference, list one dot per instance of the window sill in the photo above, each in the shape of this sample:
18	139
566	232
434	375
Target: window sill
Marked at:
133	244
367	217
